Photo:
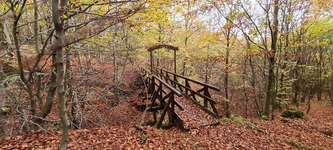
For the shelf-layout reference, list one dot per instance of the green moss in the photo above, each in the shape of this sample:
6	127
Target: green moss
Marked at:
242	121
264	117
239	119
293	113
4	110
225	120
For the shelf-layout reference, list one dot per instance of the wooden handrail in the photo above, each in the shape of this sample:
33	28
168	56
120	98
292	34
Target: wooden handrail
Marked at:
194	81
199	94
168	86
191	90
173	90
172	79
164	83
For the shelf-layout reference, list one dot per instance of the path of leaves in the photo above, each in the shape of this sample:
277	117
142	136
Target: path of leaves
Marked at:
278	134
192	115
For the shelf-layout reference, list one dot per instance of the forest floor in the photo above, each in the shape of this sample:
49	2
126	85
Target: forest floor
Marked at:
315	131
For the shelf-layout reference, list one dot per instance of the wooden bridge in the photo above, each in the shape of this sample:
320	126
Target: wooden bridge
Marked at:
177	100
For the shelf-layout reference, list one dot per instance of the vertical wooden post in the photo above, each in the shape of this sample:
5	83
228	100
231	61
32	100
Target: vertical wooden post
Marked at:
151	61
152	86
206	93
174	66
165	109
175	62
171	112
188	86
161	92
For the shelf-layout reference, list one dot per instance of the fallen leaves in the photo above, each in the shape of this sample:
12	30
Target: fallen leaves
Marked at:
120	132
217	137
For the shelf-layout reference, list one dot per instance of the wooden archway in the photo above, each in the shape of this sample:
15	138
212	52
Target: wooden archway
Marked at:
166	46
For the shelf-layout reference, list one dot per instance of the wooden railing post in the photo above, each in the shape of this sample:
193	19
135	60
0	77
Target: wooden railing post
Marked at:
187	84
160	90
165	109
151	85
168	78
206	93
171	109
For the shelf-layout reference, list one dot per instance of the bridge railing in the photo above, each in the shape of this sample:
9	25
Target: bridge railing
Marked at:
165	94
201	96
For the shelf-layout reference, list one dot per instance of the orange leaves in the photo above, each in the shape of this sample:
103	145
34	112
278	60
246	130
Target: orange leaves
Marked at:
313	132
280	135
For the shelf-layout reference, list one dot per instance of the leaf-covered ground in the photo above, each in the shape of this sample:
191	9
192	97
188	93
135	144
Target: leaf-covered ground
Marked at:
117	129
313	132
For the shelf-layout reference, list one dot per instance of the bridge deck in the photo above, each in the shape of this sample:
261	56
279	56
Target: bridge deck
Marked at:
192	115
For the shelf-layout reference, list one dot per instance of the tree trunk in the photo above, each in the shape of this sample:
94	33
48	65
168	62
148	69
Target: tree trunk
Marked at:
320	74
6	32
51	92
270	94
57	14
244	87
15	32
36	26
226	72
69	88
296	83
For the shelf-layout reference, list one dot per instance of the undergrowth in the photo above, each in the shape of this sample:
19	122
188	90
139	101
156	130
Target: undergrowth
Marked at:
242	121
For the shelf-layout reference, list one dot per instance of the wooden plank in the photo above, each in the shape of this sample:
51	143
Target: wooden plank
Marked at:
214	113
197	82
193	93
168	86
196	93
179	106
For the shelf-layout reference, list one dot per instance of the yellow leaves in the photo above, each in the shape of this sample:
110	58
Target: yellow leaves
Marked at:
324	42
320	30
158	3
321	8
100	9
3	8
82	2
179	9
156	11
152	23
208	38
251	50
322	5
